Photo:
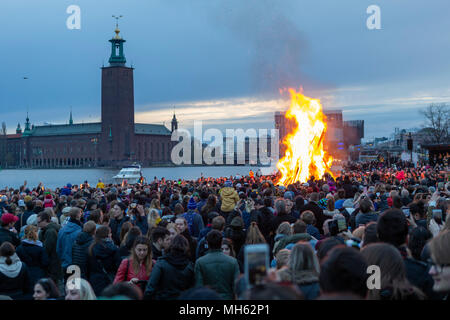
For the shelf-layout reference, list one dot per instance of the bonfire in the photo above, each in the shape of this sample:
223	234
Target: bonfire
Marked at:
305	155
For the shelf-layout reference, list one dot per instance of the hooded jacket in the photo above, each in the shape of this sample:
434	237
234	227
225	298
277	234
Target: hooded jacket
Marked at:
49	237
80	251
33	254
66	239
171	275
283	242
229	197
102	265
14	278
307	281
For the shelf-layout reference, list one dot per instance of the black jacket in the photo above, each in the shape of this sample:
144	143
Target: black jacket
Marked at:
171	275
116	226
417	274
277	220
80	252
8	236
17	287
192	244
265	221
155	252
102	265
36	259
23	217
237	236
49	237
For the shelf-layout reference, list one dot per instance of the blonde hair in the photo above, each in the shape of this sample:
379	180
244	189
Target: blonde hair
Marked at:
86	291
31	233
153	218
155	204
172	225
359	232
282	258
440	248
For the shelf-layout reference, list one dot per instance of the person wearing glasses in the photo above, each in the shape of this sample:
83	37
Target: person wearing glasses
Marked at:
440	266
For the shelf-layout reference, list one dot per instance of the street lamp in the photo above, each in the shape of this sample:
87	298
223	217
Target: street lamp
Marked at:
410	145
95	142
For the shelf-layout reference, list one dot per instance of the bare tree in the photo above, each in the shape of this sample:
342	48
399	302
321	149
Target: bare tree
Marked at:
437	119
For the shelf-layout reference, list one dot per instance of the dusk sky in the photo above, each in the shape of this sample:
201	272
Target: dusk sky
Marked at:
224	61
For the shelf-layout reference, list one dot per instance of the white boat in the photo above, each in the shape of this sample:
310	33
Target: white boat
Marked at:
131	174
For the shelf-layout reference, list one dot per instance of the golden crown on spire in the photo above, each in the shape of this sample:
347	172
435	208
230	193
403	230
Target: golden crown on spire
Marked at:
117	31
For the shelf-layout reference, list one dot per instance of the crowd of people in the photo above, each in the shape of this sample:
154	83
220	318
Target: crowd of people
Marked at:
178	239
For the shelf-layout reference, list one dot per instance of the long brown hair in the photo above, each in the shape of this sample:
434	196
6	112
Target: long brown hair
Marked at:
393	272
124	230
134	258
101	234
254	235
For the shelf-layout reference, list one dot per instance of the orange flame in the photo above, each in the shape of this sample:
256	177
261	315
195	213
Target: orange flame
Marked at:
304	156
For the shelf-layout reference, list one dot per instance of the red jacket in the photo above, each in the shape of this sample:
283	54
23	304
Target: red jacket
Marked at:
124	275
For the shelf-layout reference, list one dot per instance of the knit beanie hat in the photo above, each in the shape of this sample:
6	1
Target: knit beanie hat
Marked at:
192	205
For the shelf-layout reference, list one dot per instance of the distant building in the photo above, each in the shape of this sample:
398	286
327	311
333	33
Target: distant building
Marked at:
115	141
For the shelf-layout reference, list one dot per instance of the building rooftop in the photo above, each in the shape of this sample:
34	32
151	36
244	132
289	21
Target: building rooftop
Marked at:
13	136
91	128
66	129
157	129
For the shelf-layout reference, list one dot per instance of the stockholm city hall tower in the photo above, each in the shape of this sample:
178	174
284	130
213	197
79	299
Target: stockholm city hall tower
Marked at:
117	133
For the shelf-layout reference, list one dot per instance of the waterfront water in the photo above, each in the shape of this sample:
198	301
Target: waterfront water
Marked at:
53	178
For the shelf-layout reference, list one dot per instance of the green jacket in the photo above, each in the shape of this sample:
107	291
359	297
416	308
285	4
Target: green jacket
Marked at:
218	271
283	242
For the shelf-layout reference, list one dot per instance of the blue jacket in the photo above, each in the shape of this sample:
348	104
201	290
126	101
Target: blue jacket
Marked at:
313	231
195	222
364	218
66	238
66	191
204	232
200	205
